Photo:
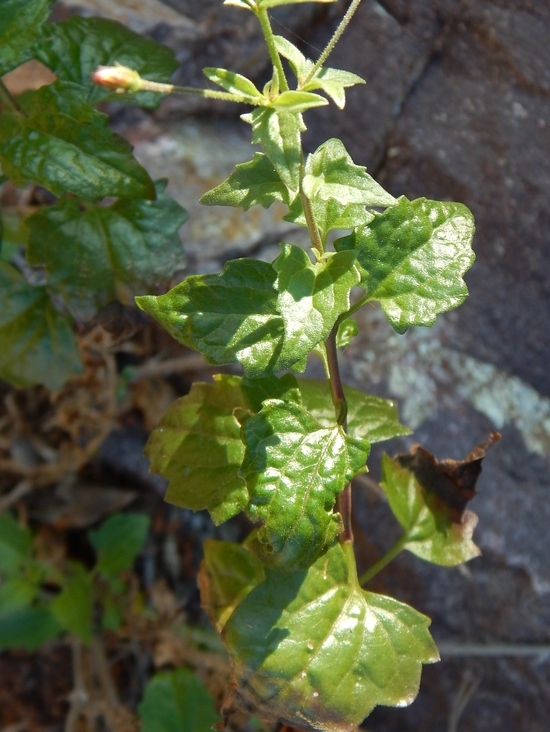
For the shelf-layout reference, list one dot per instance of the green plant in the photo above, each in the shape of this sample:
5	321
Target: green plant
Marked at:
308	646
90	251
41	599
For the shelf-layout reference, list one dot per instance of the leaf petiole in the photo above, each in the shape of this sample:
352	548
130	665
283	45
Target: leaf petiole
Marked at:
396	549
10	101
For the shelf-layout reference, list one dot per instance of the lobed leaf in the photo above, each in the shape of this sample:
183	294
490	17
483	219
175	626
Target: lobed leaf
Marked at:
338	191
176	701
228	573
294	469
21	26
370	418
314	651
118	541
252	183
431	533
67	147
334	82
16	593
38	344
278	132
90	254
76	47
412	259
311	296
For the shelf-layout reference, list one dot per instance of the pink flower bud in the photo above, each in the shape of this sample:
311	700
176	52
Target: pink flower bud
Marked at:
117	77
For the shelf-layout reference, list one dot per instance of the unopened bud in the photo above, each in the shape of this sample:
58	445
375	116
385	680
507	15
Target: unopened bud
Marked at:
118	77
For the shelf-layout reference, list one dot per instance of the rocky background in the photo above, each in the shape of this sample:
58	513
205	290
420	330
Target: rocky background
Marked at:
456	107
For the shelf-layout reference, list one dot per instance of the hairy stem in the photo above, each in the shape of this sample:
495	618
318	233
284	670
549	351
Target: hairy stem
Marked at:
311	223
333	41
263	17
385	560
7	98
155	86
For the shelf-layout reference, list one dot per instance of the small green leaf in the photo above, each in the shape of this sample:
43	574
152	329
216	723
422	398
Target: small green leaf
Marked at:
16	593
334	82
298	62
74	48
255	182
274	3
228	573
177	701
338	191
231	317
38	344
315	651
297	101
431	533
29	628
15	543
22	22
294	469
67	147
279	134
232	82
370	418
413	257
118	541
311	296
91	254
73	607
347	330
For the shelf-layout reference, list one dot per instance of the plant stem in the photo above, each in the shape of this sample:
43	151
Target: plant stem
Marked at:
10	101
341	409
386	559
311	223
155	86
333	41
263	17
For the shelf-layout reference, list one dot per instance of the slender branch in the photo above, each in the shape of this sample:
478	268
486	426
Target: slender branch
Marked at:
341	410
10	101
79	696
313	229
384	561
333	41
263	17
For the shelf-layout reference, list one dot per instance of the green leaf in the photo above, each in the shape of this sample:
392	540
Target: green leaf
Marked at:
311	296
118	541
38	345
254	4
413	257
298	62
22	22
294	469
431	533
15	543
91	254
334	82
177	701
230	317
255	182
338	191
279	134
315	651
297	101
197	446
233	82
67	147
29	628
16	593
228	573
347	330
74	48
370	418
73	607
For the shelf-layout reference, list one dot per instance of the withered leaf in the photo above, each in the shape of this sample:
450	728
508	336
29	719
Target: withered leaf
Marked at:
449	483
